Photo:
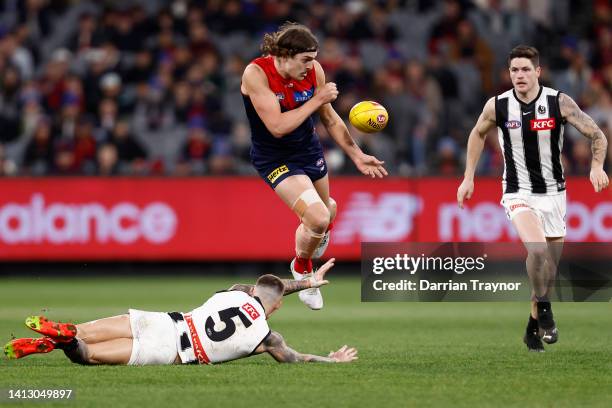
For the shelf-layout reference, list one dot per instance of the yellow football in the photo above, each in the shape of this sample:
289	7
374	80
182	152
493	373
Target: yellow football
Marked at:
369	116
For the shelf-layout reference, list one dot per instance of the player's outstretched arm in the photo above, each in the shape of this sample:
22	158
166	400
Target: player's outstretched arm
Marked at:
292	286
275	345
476	142
366	164
255	83
571	112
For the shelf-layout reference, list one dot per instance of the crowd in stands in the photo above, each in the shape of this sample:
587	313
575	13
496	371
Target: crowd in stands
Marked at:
153	87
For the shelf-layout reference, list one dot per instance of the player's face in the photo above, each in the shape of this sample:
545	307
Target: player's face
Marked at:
523	74
299	65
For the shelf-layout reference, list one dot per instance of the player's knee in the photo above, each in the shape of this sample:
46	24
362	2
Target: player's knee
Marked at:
317	219
333	208
537	251
312	211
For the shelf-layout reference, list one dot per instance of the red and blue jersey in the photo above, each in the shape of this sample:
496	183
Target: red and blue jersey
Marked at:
291	94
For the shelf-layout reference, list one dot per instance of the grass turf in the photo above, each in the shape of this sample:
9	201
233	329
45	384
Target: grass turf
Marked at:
411	354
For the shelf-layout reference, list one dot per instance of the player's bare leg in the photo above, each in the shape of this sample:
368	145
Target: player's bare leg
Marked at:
541	269
300	195
322	187
105	329
104	341
115	351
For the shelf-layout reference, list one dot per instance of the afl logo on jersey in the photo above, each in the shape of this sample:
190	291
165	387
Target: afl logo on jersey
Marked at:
303	96
280	96
513	124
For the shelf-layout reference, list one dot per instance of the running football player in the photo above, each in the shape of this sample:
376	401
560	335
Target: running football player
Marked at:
281	92
530	121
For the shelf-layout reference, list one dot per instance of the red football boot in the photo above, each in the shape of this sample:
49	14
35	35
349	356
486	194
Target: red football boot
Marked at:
18	348
61	332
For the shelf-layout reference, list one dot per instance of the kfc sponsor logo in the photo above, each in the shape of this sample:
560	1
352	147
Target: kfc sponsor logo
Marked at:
513	124
390	218
71	223
542	124
251	311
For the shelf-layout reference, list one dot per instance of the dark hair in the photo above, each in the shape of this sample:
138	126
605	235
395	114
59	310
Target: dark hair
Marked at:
525	51
289	40
271	282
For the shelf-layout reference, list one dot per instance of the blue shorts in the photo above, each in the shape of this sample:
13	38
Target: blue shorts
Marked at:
273	172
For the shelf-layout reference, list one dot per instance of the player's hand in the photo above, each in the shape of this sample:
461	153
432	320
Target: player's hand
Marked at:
346	354
319	276
465	191
599	179
370	166
327	93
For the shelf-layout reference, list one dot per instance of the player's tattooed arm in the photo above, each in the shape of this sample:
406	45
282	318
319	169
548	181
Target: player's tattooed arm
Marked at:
275	345
315	281
587	126
572	113
291	286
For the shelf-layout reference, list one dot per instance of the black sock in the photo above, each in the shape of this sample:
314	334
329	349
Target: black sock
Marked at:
67	346
543	308
532	325
76	351
545	315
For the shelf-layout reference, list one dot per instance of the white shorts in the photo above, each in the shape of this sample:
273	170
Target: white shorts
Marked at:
550	209
154	338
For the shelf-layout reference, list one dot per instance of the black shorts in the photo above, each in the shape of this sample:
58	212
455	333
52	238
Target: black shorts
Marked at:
273	172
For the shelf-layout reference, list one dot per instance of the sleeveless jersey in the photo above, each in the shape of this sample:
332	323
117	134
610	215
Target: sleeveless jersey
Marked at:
291	94
230	325
531	137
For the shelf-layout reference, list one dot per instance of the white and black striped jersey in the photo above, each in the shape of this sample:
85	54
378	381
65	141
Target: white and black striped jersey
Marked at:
531	138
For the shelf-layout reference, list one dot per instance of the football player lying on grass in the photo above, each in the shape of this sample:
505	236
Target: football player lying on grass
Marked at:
231	324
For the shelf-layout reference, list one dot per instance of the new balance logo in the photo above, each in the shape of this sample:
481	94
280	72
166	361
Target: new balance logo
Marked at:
389	218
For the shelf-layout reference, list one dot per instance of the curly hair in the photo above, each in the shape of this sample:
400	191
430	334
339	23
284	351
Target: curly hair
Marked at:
289	40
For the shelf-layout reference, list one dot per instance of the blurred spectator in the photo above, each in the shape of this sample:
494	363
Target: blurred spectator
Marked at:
130	154
196	150
12	50
107	160
7	166
38	156
10	83
87	36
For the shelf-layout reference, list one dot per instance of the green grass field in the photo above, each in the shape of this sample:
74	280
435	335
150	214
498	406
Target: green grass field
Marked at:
411	354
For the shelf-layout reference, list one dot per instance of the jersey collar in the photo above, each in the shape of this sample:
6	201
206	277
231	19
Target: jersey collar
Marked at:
530	102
